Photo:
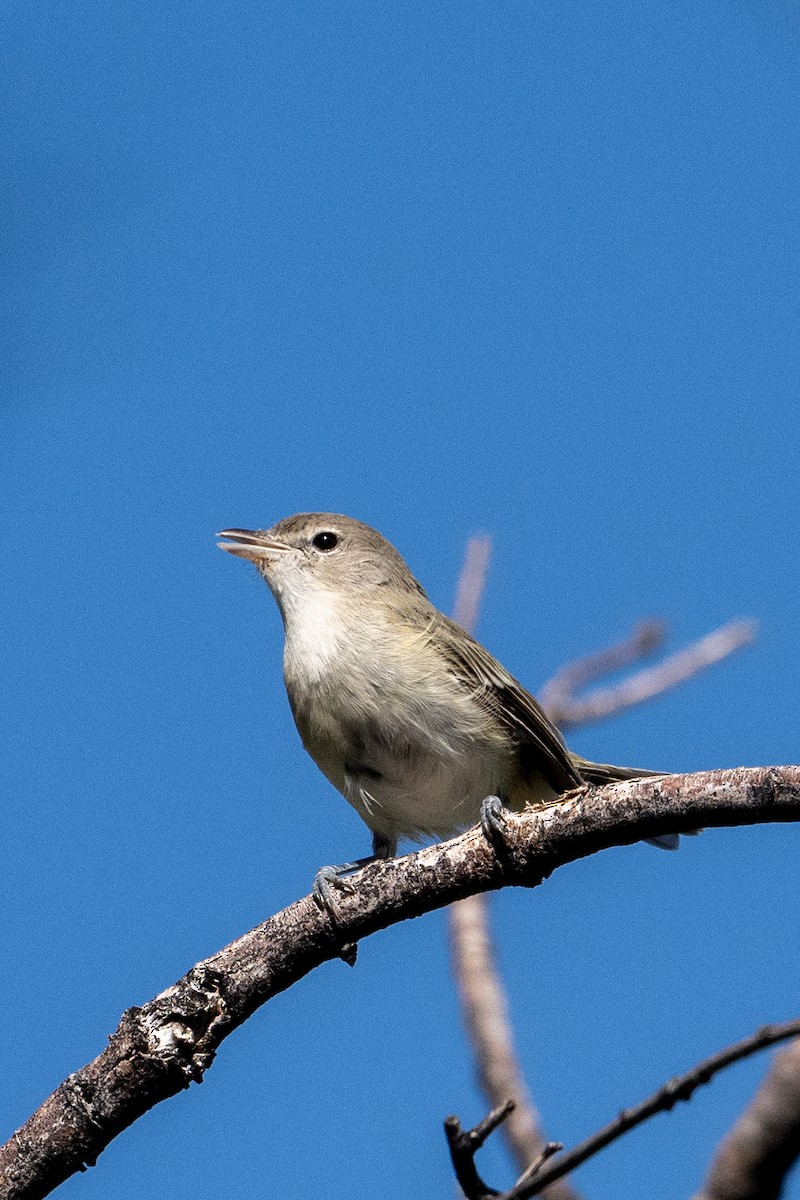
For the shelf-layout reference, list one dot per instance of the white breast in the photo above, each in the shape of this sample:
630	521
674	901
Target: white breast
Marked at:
313	637
433	797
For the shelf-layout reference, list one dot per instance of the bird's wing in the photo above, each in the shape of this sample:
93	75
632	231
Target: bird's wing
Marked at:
541	747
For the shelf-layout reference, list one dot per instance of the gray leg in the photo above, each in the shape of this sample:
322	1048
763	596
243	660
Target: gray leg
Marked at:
383	846
493	823
328	878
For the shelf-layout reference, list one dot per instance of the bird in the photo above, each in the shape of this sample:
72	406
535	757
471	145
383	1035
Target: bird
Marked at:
411	719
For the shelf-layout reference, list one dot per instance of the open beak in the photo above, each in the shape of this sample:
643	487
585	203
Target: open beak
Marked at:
251	543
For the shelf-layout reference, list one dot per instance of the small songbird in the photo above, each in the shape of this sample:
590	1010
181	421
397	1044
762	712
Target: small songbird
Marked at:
410	718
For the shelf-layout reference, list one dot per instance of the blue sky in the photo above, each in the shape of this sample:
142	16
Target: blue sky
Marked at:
520	268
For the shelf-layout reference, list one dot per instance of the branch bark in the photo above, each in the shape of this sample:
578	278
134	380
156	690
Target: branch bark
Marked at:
160	1048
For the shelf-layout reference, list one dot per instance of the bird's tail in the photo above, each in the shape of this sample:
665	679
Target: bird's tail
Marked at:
600	773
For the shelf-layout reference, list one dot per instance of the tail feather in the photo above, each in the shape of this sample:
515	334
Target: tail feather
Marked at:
668	841
600	773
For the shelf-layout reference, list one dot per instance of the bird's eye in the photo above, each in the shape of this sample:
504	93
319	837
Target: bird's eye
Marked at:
325	540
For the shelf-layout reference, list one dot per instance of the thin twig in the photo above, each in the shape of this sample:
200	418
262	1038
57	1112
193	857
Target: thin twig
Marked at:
484	1008
675	1090
484	1004
547	1153
559	695
644	640
164	1045
682	1087
465	1143
472	581
753	1160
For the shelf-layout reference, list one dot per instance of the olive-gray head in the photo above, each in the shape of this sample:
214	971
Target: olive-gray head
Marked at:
313	555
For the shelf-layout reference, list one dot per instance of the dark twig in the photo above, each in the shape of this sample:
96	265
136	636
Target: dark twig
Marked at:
464	1145
547	1153
753	1160
483	999
680	1088
163	1046
559	696
485	1010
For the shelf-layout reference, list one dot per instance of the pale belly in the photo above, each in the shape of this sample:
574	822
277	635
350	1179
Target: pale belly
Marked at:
431	797
423	780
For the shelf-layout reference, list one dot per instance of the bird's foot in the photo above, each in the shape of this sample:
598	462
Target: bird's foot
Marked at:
494	824
330	879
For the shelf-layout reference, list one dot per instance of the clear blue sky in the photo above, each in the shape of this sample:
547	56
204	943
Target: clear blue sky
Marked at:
524	268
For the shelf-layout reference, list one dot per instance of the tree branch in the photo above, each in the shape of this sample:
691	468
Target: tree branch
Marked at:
755	1157
464	1144
472	581
538	1176
160	1048
559	696
485	1011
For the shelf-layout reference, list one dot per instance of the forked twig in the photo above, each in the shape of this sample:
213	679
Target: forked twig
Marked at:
541	1174
560	695
464	1144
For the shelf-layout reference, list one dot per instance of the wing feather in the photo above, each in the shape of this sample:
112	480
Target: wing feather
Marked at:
541	747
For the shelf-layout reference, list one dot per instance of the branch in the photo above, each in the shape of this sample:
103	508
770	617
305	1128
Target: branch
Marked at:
485	1010
755	1157
471	581
160	1048
538	1176
559	696
463	1146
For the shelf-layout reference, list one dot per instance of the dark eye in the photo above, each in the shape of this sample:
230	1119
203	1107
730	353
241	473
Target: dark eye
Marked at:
325	540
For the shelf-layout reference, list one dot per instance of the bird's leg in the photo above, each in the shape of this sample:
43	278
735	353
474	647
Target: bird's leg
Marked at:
494	825
328	878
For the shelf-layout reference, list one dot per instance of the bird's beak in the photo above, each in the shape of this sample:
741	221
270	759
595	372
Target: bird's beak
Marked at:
252	544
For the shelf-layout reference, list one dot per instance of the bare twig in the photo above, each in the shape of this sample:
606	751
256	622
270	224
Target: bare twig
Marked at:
483	999
547	1153
559	695
485	1010
472	581
753	1160
682	1087
465	1143
160	1048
